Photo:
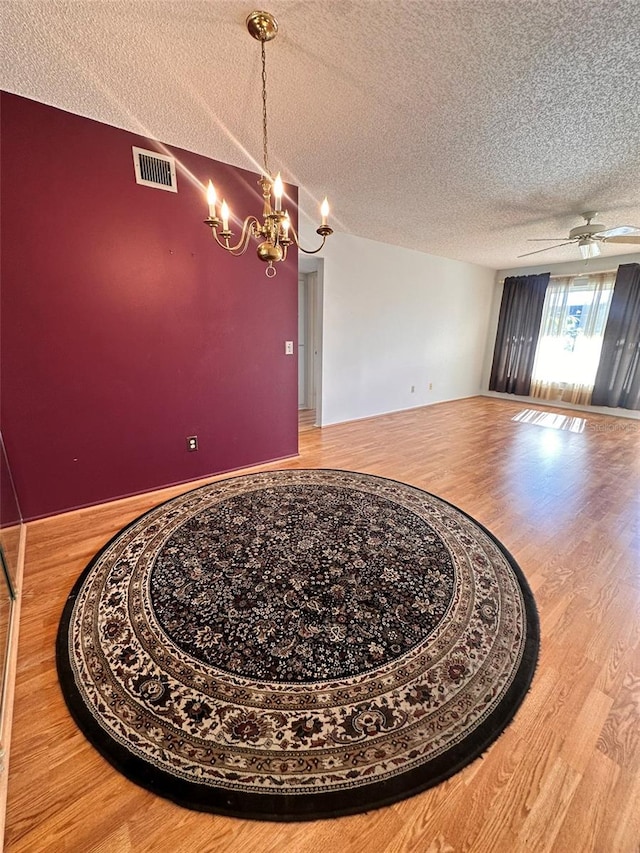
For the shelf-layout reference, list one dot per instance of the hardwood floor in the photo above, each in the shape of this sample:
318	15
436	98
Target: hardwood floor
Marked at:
565	776
306	419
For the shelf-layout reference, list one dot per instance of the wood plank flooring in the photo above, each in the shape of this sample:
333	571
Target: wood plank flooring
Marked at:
565	776
306	419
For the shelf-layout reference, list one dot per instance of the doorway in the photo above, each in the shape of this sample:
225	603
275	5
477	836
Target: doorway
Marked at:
309	343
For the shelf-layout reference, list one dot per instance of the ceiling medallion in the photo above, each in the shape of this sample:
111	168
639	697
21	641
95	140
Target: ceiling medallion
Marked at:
275	232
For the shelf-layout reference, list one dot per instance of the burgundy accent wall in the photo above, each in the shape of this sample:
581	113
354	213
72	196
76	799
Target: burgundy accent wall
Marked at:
9	509
124	328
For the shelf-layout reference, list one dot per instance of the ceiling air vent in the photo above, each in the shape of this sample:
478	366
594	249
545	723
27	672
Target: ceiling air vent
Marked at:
155	170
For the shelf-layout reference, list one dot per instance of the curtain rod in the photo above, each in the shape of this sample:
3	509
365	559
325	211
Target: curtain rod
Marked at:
580	274
571	275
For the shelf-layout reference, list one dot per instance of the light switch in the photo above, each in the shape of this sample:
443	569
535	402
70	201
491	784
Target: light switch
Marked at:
288	347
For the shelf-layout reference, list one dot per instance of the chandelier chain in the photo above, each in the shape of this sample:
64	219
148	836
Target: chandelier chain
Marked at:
264	113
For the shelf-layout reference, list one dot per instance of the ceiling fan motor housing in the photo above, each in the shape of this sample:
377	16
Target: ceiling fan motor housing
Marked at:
586	230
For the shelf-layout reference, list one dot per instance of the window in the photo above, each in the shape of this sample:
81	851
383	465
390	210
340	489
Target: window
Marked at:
573	321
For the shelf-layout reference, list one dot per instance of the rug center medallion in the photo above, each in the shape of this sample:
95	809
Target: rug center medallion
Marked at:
311	585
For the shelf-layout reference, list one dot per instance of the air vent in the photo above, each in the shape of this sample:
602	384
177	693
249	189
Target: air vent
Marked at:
155	170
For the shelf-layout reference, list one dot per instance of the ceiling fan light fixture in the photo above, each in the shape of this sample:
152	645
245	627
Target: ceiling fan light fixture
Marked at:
588	248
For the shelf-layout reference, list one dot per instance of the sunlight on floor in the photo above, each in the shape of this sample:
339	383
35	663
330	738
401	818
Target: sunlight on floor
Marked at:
550	420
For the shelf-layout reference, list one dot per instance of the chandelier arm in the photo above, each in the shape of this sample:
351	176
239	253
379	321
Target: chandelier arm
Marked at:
243	243
312	251
296	240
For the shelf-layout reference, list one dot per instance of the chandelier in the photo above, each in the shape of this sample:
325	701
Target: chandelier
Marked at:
275	232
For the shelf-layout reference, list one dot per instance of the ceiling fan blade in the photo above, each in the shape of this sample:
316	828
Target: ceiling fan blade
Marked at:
620	231
548	249
543	239
628	238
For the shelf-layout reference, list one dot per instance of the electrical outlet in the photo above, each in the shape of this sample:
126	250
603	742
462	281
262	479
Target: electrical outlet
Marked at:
413	389
192	442
288	347
431	386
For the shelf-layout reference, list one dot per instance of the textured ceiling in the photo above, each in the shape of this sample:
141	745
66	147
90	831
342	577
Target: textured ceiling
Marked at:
459	127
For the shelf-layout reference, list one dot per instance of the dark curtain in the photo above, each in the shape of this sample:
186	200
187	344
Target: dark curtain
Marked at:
618	378
517	336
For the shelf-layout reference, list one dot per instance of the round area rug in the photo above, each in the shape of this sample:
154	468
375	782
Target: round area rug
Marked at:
297	644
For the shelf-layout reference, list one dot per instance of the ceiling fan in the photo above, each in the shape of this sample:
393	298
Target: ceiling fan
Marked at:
589	236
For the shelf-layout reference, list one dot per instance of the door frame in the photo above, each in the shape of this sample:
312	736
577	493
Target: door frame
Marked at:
311	270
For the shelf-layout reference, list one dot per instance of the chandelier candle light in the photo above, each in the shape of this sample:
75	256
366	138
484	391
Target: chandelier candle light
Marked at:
276	231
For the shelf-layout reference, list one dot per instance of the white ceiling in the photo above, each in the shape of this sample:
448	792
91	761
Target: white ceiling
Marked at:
456	127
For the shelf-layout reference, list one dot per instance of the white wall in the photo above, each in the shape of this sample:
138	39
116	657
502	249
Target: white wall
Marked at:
395	318
600	264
